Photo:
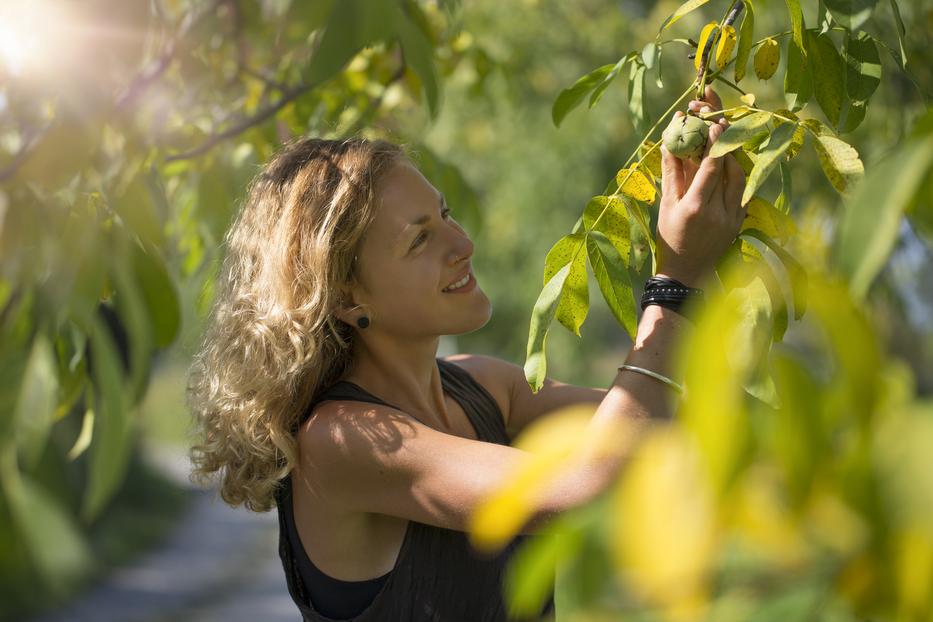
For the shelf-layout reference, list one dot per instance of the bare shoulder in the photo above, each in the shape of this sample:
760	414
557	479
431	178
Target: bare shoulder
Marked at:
497	376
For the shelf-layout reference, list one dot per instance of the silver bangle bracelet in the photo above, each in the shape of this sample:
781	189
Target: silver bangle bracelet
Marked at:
647	372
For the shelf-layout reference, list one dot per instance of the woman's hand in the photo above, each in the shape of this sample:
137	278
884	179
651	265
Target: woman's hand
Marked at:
701	211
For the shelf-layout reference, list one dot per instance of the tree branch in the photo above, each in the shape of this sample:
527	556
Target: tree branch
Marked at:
244	124
707	52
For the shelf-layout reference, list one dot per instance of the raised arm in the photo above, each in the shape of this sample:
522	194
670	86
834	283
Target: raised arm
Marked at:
374	459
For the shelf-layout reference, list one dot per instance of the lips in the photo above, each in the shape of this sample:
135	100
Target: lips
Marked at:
459	278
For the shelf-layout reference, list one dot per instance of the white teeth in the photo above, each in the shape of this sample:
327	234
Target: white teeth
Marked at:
459	283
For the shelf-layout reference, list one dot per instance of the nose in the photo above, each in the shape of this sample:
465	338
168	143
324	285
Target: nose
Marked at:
462	250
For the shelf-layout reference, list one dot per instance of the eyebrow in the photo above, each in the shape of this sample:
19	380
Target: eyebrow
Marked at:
421	219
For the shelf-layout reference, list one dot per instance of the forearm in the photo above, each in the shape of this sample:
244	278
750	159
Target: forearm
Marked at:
636	401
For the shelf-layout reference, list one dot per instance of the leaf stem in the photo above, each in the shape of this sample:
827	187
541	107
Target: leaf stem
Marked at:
729	82
631	158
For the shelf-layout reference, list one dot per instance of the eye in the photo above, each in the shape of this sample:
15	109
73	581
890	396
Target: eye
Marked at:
444	214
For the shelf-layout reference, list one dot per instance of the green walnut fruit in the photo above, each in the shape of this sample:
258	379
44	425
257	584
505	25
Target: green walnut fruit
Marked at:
686	137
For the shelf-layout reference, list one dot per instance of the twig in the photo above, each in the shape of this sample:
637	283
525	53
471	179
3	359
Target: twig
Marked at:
730	18
30	139
237	128
376	103
143	81
728	82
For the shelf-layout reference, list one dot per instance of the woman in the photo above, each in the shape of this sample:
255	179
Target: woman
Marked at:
317	388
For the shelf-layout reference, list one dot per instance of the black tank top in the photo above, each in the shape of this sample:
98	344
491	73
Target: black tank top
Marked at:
438	576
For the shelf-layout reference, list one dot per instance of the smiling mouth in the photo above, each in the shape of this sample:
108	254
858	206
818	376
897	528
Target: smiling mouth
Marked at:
460	284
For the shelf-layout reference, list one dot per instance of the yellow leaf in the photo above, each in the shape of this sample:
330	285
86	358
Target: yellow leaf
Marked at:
704	36
664	529
914	568
800	133
574	301
653	161
555	445
767	58
726	348
636	185
768	219
763	522
840	162
613	222
725	46
748	99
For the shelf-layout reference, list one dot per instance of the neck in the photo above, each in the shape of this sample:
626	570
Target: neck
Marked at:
404	374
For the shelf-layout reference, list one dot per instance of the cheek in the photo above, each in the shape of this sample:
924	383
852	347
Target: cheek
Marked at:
403	287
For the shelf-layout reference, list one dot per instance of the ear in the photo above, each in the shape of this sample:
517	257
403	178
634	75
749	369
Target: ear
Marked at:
347	310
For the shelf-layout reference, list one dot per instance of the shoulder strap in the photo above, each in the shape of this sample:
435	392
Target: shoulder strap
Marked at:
476	401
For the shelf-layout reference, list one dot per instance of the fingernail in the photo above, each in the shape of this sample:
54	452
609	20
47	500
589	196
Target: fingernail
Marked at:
706	109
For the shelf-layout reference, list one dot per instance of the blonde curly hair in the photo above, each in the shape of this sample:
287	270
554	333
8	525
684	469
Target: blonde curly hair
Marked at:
272	343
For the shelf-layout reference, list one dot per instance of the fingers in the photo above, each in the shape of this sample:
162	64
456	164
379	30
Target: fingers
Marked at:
735	186
710	98
713	98
672	170
672	175
710	169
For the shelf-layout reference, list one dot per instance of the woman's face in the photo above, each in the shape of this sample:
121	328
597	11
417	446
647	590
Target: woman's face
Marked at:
412	252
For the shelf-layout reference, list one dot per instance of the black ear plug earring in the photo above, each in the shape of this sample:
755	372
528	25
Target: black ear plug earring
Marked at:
362	322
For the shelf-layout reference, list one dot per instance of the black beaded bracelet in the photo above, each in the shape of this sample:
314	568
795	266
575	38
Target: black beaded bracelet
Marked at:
670	294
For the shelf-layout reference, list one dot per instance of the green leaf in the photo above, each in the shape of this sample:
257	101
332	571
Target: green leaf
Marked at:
796	23
131	307
137	208
158	294
851	13
798	82
853	113
782	204
38	394
419	55
84	436
13	361
611	273
767	218
798	276
636	95
863	67
58	550
768	158
746	39
541	317
777	281
869	227
601	87
740	132
683	9
351	25
840	162
613	222
574	302
651	56
530	576
571	97
827	75
110	451
901	33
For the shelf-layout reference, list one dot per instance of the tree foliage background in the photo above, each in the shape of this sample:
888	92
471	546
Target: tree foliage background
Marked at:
128	131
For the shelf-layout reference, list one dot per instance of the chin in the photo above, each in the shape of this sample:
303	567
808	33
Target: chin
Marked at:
475	322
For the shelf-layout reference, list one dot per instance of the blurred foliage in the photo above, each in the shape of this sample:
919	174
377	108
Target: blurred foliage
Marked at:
795	480
129	130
